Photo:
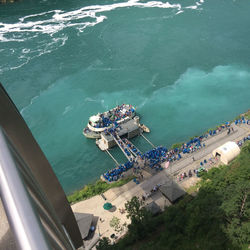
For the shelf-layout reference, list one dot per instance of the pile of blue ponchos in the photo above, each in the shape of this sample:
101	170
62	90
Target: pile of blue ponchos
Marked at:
115	174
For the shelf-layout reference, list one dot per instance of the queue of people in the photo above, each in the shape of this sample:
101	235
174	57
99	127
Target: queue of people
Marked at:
116	173
151	192
242	120
190	173
153	158
240	142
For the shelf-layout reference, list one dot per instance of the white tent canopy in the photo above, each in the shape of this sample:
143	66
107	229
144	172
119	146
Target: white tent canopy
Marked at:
227	152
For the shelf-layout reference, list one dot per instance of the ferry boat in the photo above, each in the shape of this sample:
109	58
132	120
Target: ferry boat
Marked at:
104	121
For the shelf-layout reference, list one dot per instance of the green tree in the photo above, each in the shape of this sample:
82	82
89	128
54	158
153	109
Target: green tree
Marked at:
135	210
236	206
104	244
140	219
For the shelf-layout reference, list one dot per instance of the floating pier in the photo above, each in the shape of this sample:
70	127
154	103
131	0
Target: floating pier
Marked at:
120	136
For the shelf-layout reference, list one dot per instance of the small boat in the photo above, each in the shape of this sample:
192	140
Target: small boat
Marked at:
104	121
144	128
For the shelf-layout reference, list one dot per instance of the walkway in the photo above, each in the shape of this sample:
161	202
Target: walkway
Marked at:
211	143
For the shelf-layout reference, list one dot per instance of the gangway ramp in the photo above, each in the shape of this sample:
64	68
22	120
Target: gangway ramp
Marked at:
132	148
122	146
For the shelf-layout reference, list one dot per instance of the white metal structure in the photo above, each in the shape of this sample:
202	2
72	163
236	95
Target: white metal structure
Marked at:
227	152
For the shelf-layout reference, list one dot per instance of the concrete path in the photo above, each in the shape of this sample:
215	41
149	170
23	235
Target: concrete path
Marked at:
212	143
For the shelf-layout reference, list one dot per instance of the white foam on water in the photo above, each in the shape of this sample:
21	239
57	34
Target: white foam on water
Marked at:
26	55
52	22
67	109
25	51
142	104
22	112
89	99
33	99
192	7
154	77
179	12
60	19
194	88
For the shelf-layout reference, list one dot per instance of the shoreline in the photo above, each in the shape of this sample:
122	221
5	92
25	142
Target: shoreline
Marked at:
146	189
100	184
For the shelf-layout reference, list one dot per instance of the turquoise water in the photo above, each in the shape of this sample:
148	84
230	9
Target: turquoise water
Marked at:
185	65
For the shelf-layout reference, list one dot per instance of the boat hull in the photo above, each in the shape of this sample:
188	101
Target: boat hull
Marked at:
145	128
92	135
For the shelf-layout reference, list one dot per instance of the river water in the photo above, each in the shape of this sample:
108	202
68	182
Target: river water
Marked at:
185	65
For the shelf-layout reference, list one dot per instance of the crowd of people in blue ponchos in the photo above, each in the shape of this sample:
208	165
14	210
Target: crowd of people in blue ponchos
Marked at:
115	115
154	157
204	164
242	120
119	113
192	145
132	148
116	173
240	142
123	144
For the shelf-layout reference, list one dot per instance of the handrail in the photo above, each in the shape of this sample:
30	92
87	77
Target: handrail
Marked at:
20	212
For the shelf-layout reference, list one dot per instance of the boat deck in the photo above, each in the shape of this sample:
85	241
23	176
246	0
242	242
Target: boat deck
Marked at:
128	130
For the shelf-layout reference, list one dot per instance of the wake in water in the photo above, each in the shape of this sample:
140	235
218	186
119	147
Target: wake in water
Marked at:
51	24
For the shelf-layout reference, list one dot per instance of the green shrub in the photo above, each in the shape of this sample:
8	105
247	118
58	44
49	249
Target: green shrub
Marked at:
96	188
176	145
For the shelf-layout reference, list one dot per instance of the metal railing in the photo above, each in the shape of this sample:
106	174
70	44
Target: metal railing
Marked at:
31	218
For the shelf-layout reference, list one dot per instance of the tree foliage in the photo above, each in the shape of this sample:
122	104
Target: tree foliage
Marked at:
103	244
135	210
140	219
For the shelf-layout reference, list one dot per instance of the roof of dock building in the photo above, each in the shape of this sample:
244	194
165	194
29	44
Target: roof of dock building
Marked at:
127	127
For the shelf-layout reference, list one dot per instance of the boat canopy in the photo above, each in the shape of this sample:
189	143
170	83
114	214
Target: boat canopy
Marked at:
94	118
